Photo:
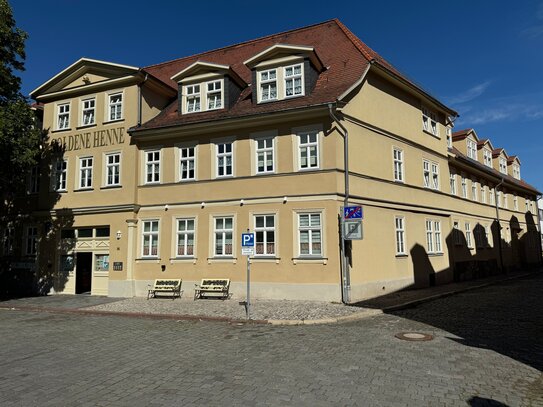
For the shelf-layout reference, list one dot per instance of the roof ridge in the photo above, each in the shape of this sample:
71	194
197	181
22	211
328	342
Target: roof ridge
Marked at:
241	43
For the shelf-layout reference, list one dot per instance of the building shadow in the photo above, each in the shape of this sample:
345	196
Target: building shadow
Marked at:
477	401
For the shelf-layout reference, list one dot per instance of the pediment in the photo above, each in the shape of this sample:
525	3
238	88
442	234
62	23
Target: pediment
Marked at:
201	70
279	51
82	73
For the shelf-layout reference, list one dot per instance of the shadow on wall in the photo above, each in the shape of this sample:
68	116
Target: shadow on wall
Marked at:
31	240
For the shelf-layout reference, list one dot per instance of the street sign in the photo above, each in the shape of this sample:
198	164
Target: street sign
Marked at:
247	244
352	229
352	212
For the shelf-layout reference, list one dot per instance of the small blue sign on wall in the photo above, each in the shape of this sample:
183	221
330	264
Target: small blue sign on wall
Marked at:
247	240
352	212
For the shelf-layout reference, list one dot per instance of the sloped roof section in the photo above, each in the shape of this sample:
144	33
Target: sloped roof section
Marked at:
344	57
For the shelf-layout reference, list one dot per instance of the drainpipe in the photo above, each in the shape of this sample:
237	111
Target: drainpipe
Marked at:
345	275
499	224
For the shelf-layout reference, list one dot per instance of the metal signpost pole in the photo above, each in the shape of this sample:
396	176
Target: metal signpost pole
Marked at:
247	308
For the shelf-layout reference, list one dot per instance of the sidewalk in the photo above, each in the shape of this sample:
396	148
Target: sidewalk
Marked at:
262	311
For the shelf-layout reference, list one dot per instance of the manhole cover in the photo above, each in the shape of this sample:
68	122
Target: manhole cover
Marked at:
414	336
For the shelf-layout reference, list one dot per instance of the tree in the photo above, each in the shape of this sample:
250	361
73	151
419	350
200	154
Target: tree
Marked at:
20	137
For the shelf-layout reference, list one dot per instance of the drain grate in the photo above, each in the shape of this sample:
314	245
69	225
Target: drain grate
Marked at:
414	336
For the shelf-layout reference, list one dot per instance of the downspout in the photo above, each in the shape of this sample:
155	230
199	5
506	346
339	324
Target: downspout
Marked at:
499	223
345	275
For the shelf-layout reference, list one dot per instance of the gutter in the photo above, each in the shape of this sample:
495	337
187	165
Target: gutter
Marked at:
345	274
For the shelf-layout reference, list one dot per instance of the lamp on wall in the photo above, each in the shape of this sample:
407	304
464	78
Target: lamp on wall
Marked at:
119	234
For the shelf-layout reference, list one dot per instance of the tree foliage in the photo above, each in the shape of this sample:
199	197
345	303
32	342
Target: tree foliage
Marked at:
20	137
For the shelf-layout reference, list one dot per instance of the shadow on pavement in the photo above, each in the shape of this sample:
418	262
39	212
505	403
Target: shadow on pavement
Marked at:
484	402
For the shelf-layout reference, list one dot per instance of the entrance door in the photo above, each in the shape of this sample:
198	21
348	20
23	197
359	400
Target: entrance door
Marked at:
83	273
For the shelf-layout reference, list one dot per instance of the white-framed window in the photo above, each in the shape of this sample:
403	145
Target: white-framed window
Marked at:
474	190
464	183
527	205
488	238
310	234
185	237
500	203
430	174
152	166
101	262
399	223
503	165
487	157
472	148
505	200
59	175
397	156
449	137
265	155
8	237
33	186
192	94
265	235
223	235
433	236
113	169
294	84
452	182
515	203
85	172
214	95
115	106
63	116
429	122
150	237
31	243
492	196
225	159
483	193
187	163
457	234
268	85
308	150
469	241
88	111
516	171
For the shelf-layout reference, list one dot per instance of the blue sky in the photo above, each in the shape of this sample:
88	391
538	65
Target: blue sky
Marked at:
483	58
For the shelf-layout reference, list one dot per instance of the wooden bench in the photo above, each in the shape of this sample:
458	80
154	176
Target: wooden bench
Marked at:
212	287
170	286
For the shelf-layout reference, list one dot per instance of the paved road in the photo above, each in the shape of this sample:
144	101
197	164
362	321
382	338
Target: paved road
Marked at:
487	351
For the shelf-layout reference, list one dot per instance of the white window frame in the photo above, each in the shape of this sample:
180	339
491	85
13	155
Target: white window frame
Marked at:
464	185
152	235
492	196
505	201
193	98
311	230
471	146
115	108
292	78
516	171
60	175
184	233
397	164
223	231
152	166
306	147
469	240
113	168
452	182
515	202
265	152
430	174
449	137
267	84
86	165
214	92
185	160
429	122
88	111
487	236
433	236
224	155
474	191
503	165
31	241
399	226
63	116
487	157
265	230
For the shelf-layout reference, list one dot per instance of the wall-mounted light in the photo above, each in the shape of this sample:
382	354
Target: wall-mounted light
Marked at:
241	202
166	207
119	234
285	199
203	204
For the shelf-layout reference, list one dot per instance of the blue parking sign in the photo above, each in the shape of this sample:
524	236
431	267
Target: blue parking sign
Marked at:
352	212
247	240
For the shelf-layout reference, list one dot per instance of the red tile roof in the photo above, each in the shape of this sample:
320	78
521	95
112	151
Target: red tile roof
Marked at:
345	57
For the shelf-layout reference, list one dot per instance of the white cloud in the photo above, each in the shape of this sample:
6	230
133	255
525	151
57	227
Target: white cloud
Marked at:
502	112
468	95
535	30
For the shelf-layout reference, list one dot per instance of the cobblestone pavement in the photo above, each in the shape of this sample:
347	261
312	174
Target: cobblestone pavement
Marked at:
487	351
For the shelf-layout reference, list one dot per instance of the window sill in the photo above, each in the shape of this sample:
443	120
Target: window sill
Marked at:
308	169
402	256
83	189
265	259
86	126
113	121
148	260
432	134
59	191
310	260
111	187
61	130
211	260
435	254
187	259
101	273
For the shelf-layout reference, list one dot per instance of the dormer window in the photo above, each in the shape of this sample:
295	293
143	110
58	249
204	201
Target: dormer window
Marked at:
516	171
503	165
293	81
449	137
487	157
214	95
429	122
192	93
472	148
268	85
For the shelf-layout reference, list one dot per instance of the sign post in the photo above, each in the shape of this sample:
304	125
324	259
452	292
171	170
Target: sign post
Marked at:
248	249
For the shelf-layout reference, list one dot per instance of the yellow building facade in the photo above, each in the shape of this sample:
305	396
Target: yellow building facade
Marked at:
156	172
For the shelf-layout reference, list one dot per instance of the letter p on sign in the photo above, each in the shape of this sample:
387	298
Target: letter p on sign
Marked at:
247	239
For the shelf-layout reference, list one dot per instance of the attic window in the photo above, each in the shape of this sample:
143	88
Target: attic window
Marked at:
281	82
192	93
268	85
487	157
293	80
429	122
203	96
516	171
503	165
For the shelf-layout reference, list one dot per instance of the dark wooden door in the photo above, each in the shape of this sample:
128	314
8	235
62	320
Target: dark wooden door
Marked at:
83	273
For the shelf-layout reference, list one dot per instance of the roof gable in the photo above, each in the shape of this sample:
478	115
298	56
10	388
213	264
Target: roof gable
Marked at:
281	50
201	68
485	143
